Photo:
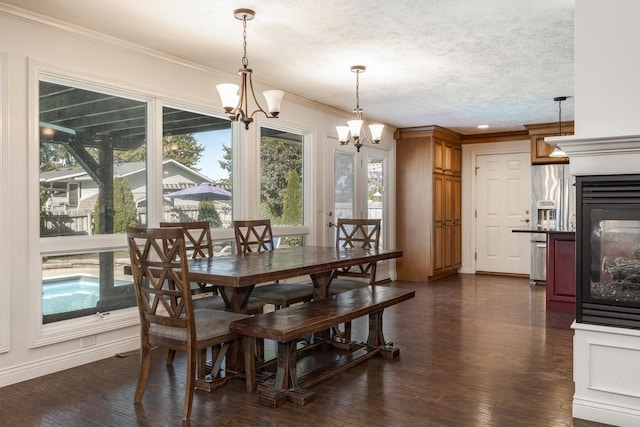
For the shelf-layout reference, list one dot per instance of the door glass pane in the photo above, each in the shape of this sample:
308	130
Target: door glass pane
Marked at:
196	166
375	192
344	185
281	181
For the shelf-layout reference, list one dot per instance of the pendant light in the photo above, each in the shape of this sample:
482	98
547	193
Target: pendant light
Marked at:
354	132
237	106
557	152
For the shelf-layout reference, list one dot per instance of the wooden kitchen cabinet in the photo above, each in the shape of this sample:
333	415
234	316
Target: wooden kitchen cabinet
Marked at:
429	202
561	272
540	150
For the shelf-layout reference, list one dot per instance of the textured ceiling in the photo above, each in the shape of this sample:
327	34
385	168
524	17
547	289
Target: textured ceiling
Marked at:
453	63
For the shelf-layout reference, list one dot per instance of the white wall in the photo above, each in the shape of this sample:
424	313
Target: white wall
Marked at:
607	68
25	44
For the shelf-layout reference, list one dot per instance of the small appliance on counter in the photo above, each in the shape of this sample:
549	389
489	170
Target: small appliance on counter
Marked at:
552	206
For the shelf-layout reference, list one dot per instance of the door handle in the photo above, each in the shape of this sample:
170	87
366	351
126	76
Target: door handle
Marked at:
525	220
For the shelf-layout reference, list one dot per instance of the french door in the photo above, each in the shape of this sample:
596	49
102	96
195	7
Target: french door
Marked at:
359	190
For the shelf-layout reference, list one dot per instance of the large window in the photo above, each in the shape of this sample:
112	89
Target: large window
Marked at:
197	164
281	181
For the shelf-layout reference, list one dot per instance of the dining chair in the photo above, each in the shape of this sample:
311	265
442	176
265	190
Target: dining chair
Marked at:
257	236
354	233
162	284
198	244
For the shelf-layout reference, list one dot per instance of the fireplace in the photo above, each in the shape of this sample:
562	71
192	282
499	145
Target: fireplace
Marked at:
608	250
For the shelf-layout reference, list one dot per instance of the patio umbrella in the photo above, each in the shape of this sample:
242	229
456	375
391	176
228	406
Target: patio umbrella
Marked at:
203	191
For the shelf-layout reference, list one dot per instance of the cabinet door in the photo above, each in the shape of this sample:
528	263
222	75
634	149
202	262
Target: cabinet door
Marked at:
438	249
447	246
456	160
457	245
438	156
438	202
448	199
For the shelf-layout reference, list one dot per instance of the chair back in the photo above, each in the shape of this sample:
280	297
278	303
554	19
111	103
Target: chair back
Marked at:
161	281
253	235
358	233
197	237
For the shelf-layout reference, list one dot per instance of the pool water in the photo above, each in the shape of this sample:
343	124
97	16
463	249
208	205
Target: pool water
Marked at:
69	293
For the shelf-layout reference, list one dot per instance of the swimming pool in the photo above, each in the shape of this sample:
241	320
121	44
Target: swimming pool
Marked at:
69	293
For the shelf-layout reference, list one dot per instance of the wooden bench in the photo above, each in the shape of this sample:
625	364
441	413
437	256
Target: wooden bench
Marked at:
288	325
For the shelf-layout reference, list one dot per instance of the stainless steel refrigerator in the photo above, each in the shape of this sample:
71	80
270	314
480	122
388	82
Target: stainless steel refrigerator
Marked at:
552	206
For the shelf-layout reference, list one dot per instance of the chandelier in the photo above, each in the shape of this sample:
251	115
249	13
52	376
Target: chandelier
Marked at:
354	132
237	105
557	151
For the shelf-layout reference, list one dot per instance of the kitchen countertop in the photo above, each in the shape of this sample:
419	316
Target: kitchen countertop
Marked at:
542	230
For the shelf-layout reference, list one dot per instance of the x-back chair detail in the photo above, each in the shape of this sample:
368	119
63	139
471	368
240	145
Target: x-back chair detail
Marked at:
162	283
257	236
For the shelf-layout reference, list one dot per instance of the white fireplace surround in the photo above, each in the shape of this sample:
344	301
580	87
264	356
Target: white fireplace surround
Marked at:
605	359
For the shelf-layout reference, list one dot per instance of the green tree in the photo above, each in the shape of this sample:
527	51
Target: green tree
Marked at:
292	208
181	148
292	205
125	213
278	157
207	212
226	164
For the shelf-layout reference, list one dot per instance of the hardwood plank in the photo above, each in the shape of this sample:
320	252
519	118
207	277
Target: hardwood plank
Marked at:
476	351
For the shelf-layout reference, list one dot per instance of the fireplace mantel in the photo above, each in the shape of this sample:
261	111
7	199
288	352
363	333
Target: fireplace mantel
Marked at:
605	358
600	155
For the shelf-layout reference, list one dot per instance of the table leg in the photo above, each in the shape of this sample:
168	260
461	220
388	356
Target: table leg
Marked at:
321	282
286	383
236	299
376	337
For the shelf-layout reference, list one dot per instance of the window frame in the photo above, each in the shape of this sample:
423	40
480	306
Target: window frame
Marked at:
64	330
5	285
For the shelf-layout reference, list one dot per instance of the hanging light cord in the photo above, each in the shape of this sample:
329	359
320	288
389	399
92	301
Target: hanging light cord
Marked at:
245	60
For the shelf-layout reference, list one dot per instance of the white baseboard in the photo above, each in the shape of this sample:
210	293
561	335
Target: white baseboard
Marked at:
606	414
31	370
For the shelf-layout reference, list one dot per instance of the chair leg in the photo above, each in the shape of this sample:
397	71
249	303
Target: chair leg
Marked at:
143	375
171	354
189	384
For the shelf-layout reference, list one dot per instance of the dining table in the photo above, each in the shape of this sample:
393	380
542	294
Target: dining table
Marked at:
237	274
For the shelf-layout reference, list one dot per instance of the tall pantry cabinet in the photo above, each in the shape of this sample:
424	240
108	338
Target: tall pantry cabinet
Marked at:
429	208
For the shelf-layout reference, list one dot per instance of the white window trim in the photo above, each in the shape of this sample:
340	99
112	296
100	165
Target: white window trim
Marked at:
41	334
5	285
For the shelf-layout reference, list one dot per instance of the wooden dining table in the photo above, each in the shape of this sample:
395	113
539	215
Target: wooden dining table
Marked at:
236	275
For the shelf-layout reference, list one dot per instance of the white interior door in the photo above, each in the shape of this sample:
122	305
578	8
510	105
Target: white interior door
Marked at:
503	188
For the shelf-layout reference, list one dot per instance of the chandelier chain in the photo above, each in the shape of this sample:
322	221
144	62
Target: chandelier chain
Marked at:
245	60
358	90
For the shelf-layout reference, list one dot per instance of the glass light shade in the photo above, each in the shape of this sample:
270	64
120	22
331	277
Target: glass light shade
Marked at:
376	132
274	99
228	95
557	152
343	133
354	128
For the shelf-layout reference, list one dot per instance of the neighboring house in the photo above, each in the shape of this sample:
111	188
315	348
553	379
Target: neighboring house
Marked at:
72	189
73	193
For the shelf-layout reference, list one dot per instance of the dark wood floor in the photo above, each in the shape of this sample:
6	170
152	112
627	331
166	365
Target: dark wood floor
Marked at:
475	351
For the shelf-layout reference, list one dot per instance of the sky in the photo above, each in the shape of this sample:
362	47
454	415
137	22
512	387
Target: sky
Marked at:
213	142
